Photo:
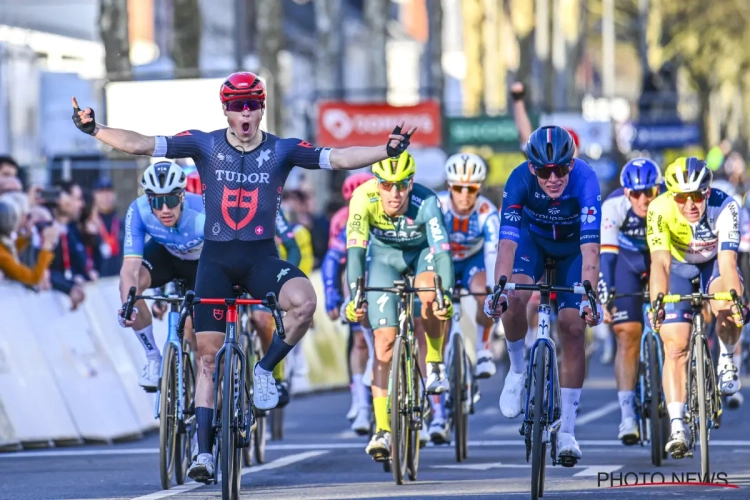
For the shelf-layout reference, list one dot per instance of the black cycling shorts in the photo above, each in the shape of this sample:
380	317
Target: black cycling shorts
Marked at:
165	267
253	264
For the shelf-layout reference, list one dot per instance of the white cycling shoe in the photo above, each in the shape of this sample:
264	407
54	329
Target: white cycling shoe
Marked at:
265	392
361	421
353	409
485	365
511	399
677	446
149	378
629	432
729	380
437	383
439	432
202	470
568	451
379	447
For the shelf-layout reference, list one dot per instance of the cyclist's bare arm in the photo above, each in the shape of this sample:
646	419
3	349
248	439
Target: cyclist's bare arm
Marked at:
523	124
131	267
730	277
590	262
126	140
506	253
659	279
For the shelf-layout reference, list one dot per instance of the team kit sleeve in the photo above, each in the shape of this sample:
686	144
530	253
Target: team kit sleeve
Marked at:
491	235
438	238
357	237
300	153
193	144
514	199
134	232
590	199
612	219
728	226
658	235
286	235
329	269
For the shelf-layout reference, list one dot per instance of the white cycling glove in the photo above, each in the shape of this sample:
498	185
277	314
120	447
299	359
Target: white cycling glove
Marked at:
599	311
121	320
488	304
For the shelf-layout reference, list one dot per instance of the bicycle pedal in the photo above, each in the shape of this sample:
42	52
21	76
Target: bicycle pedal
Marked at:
149	390
380	456
568	461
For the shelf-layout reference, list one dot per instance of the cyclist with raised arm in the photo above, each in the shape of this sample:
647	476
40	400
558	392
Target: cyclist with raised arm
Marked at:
474	226
624	260
174	222
400	224
243	170
693	231
359	346
551	208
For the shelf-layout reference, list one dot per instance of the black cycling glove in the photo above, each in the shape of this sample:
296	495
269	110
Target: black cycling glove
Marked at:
402	145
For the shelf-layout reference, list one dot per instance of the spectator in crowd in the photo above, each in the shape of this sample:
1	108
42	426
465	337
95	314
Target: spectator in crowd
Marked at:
8	184
8	167
299	206
88	226
110	228
68	271
12	217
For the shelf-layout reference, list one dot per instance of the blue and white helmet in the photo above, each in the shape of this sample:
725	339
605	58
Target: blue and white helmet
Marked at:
640	173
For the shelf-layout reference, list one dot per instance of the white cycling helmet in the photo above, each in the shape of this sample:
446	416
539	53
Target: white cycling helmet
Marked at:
164	177
465	168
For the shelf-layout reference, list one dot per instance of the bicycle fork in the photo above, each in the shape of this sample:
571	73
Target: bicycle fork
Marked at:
173	339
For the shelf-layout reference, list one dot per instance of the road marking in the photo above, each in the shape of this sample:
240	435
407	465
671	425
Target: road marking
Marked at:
594	470
602	443
192	485
513	429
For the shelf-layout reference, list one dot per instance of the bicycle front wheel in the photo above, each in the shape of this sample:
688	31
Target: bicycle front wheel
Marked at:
538	446
230	453
399	414
458	395
703	402
417	400
658	441
187	428
168	417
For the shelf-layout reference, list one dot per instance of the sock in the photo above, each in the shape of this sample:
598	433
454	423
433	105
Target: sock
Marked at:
570	399
530	337
204	418
146	336
726	352
515	353
737	360
278	371
434	349
676	412
358	392
277	351
626	403
382	419
438	408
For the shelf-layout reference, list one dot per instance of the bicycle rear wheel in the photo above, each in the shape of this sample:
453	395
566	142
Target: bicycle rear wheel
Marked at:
247	452
187	427
538	447
458	395
658	441
701	358
277	424
399	413
168	417
230	453
417	400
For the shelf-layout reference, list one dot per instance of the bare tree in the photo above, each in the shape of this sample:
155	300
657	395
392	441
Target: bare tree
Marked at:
329	49
186	45
269	32
435	50
113	29
473	15
376	21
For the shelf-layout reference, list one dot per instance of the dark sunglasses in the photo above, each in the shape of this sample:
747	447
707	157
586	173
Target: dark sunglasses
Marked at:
170	200
238	106
400	185
696	196
459	188
546	172
648	193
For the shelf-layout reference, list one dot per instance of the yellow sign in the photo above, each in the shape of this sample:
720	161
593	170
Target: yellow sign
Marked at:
670	155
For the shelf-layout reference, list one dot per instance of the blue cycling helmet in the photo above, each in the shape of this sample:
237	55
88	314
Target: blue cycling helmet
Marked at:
550	146
640	173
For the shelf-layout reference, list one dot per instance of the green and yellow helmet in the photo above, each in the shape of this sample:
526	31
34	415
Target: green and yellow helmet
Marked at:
687	174
395	169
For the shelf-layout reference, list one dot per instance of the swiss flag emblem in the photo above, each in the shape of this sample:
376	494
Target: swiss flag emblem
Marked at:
305	144
186	132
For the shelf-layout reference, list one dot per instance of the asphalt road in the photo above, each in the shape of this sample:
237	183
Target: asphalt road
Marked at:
320	459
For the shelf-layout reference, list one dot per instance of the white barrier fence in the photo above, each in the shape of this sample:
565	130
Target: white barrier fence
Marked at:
70	377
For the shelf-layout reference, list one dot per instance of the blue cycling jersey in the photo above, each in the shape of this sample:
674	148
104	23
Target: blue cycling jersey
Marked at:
574	217
184	240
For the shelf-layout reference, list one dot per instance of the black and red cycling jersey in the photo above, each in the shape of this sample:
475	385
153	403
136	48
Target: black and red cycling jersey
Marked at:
241	190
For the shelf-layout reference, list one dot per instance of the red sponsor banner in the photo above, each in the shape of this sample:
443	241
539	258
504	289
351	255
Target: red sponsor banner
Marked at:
341	124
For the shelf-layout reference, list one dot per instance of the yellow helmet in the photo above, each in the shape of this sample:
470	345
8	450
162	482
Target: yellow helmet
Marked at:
687	174
395	169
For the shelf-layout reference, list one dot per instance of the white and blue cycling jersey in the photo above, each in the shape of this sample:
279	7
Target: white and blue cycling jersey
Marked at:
184	241
621	227
473	235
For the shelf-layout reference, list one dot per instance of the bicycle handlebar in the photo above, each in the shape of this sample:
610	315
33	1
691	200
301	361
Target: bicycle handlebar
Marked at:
127	310
190	300
503	285
730	296
398	288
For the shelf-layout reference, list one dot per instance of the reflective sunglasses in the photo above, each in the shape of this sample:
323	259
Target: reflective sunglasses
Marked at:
459	188
696	196
546	172
400	185
648	193
238	106
170	200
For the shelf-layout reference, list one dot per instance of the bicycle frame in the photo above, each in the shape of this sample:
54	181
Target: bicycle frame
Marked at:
174	338
648	331
406	332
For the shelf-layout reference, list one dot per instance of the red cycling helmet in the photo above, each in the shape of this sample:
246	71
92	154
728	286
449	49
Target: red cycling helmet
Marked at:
353	182
194	183
243	85
574	136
